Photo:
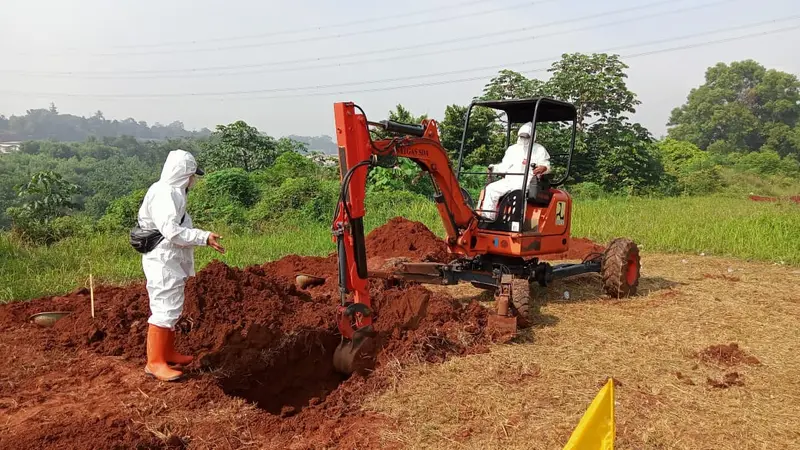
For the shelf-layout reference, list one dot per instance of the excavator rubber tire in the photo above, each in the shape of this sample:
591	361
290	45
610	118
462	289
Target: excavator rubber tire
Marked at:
521	303
354	356
620	268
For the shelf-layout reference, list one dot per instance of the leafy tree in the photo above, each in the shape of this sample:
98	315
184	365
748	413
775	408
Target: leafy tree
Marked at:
402	115
287	165
286	145
595	84
626	160
240	145
46	197
483	133
509	85
744	105
693	170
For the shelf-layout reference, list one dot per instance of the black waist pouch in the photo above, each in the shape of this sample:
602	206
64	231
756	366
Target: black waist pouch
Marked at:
143	241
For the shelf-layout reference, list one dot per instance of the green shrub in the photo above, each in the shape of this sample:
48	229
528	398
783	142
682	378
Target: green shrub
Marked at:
700	181
208	208
288	165
122	213
293	194
322	205
78	225
234	185
31	229
768	163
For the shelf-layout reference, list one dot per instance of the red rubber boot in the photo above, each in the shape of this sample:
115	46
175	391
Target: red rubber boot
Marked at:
157	346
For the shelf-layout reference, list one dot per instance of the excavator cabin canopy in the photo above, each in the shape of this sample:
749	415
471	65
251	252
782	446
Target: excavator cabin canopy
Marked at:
535	110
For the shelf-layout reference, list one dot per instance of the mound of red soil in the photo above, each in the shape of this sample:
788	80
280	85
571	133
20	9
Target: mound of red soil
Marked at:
727	355
401	237
257	337
758	198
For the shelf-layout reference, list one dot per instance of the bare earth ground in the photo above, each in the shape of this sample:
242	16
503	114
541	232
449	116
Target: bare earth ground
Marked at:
532	394
529	394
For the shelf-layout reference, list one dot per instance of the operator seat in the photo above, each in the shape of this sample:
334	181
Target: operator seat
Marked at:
509	208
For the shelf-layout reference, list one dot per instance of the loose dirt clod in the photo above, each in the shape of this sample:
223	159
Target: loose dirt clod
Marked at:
727	355
728	380
684	379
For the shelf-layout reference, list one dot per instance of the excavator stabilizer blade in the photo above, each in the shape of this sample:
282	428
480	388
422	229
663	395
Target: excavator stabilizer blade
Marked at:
502	328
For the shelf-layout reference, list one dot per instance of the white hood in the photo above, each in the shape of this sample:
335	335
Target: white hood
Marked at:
524	134
178	168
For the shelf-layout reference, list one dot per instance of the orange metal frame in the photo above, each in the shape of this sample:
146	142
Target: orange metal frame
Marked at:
550	232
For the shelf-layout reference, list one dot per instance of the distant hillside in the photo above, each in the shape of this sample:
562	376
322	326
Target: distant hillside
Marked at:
49	124
322	143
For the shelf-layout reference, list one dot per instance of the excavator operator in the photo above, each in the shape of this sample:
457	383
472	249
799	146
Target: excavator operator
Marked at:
514	162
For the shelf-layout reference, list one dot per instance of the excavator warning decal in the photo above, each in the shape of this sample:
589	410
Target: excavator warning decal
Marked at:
560	212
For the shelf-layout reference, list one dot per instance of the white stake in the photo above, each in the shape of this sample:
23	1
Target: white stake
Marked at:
91	292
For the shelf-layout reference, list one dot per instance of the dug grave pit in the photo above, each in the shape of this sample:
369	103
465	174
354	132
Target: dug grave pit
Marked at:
281	374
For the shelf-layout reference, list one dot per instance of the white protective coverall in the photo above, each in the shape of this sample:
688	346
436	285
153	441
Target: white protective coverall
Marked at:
514	162
169	265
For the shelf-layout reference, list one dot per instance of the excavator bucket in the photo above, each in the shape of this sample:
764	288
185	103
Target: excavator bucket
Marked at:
355	355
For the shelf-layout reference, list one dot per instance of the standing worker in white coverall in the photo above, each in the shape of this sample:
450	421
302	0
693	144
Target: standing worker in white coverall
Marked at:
171	262
514	161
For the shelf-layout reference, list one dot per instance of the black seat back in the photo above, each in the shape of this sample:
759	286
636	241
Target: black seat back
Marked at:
509	209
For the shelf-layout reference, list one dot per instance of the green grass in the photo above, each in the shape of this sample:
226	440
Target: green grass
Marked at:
719	226
715	225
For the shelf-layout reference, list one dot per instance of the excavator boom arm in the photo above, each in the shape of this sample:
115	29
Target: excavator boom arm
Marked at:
357	152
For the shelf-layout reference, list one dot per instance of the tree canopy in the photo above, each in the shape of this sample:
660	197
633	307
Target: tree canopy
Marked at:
742	107
50	124
241	145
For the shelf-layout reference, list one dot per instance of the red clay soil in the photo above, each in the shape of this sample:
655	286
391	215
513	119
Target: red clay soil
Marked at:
263	376
726	355
758	198
404	238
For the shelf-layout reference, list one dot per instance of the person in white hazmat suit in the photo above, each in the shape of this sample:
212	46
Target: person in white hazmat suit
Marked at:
514	161
171	262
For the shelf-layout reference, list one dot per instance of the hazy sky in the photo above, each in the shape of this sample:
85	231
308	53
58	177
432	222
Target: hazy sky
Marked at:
161	59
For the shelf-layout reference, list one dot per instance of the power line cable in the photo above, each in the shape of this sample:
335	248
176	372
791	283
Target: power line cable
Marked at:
199	73
394	16
436	83
327	37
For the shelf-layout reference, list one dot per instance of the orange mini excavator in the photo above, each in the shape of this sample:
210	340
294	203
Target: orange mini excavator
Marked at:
500	254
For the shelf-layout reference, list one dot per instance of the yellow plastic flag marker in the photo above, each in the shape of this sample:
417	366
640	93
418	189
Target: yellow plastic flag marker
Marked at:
596	430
